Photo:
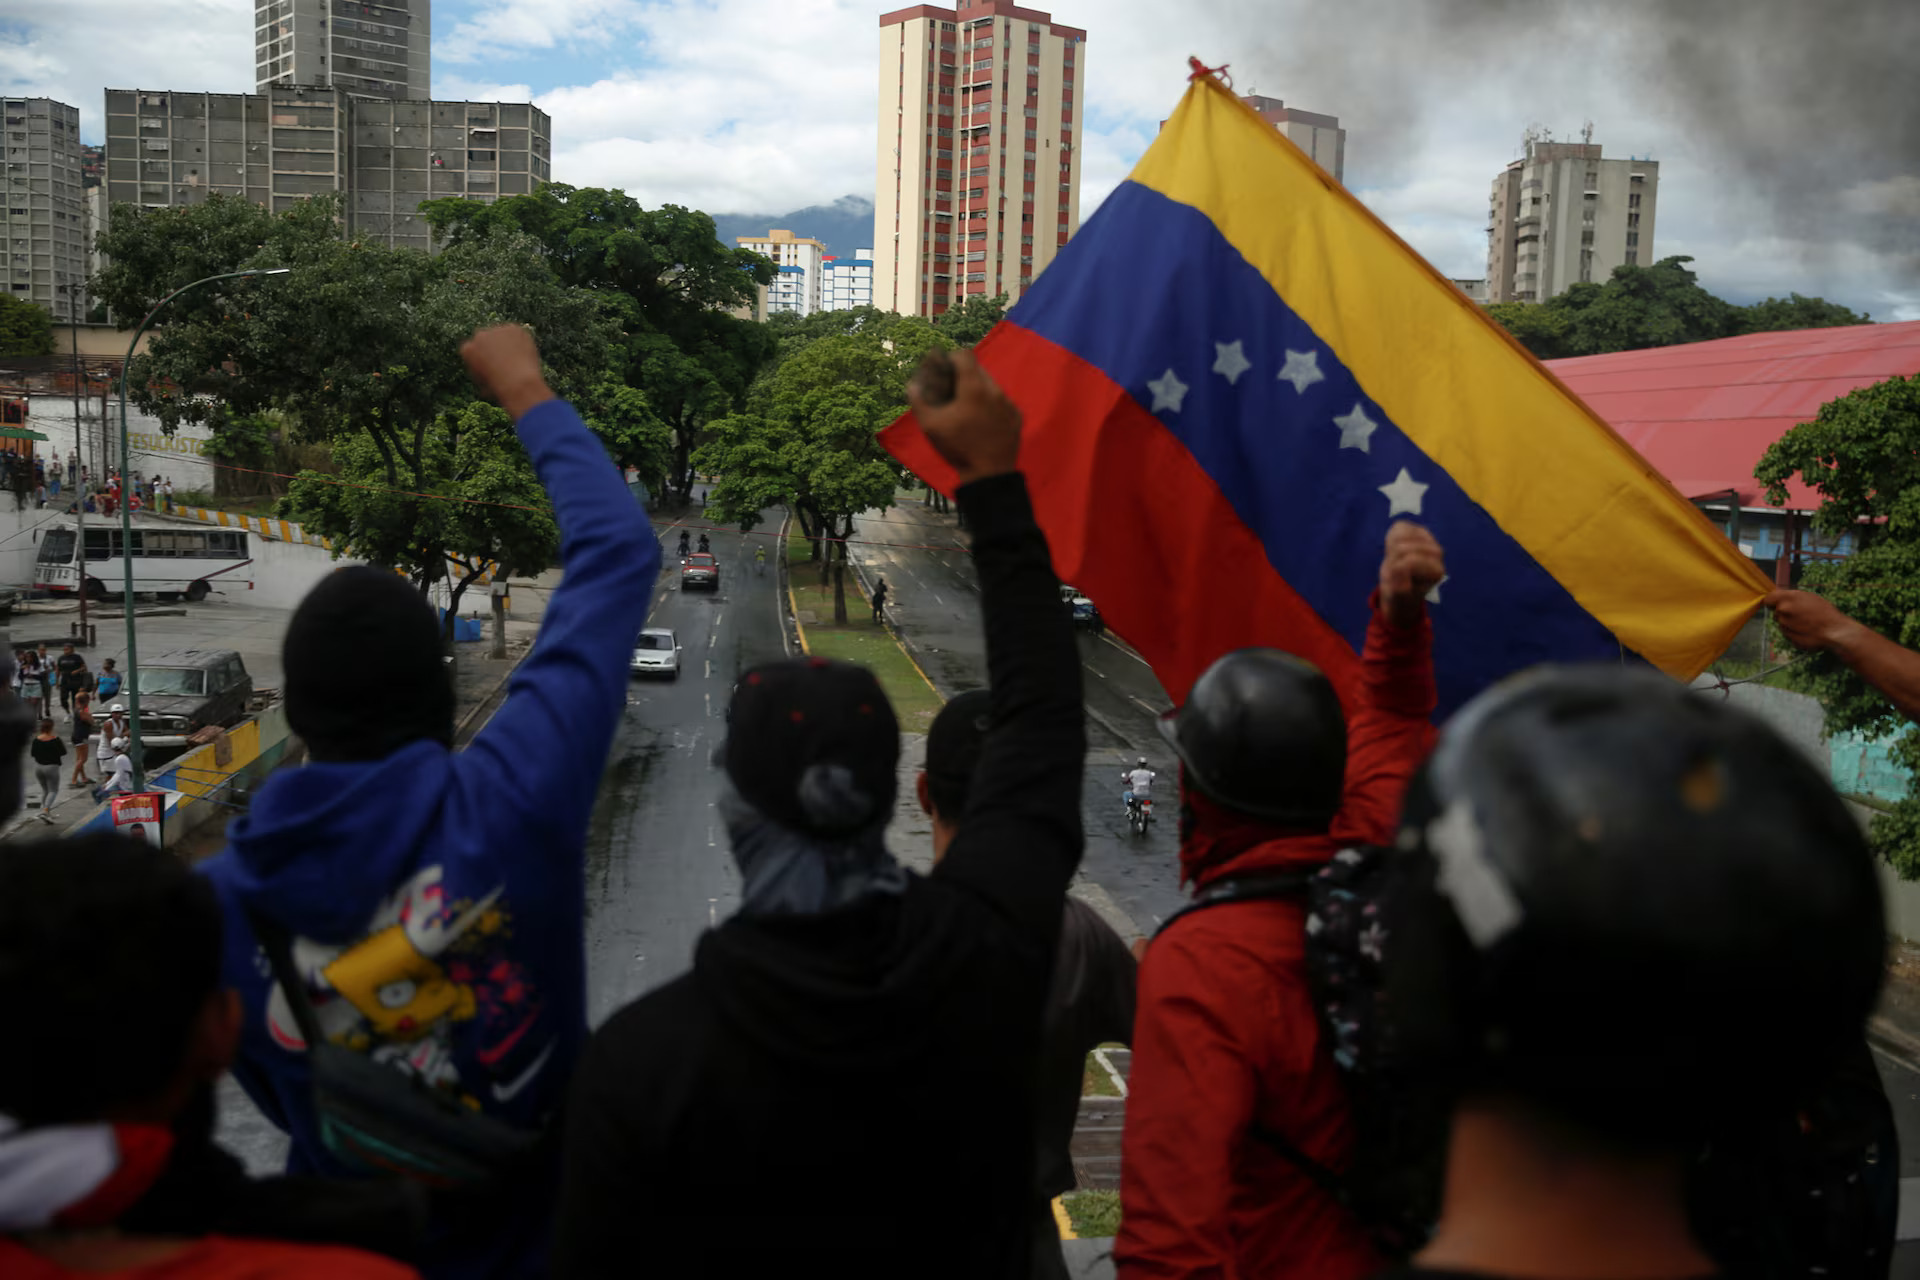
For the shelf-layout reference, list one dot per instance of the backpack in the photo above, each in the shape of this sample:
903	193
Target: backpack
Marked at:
378	1121
1814	1192
1393	1179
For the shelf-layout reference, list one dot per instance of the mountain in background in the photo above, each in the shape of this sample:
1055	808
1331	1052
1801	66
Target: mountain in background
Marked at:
843	226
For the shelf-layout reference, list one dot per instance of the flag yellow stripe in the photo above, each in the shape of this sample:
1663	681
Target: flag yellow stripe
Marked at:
1636	555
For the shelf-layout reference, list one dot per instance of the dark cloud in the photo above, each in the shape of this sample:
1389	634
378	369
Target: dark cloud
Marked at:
1807	110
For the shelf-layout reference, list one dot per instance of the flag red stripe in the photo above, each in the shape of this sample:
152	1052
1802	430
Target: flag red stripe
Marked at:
1184	587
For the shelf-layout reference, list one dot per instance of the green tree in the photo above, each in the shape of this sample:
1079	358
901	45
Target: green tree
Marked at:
969	322
1541	330
25	330
356	348
808	439
1861	453
673	283
487	508
1797	312
1657	306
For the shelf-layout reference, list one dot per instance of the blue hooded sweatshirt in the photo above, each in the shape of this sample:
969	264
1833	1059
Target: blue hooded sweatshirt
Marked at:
435	897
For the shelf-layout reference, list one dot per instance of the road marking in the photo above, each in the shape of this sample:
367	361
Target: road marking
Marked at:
709	706
1097	671
717	617
709	674
712	640
1122	648
710	913
1106	1064
937	599
1143	706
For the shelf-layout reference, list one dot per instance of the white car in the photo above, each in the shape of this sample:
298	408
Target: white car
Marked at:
656	653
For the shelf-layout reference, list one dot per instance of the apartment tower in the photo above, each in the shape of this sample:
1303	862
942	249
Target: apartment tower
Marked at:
1561	215
44	219
978	175
798	278
1321	137
370	48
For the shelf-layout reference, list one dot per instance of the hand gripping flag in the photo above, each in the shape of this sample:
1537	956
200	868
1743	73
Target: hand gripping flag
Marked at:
1235	377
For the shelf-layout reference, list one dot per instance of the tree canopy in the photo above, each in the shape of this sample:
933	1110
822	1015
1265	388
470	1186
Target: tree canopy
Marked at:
358	348
1862	454
969	322
668	282
1657	306
807	436
25	329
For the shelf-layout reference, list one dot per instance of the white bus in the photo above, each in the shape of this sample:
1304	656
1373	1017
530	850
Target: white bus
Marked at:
168	561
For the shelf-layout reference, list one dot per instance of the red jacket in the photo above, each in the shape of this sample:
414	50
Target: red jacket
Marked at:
1226	1035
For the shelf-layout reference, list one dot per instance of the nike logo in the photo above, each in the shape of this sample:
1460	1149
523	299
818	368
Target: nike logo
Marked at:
508	1092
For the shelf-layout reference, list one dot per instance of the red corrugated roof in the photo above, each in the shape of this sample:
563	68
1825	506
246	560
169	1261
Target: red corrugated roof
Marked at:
1704	413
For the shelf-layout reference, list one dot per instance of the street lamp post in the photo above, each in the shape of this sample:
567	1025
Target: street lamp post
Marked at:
126	522
79	433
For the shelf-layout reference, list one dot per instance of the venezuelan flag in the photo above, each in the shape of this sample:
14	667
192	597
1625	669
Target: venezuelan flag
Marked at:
1235	377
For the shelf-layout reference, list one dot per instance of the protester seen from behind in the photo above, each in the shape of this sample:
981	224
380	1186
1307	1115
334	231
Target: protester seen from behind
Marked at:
843	1084
71	670
1089	999
1235	1105
110	950
425	905
1607	881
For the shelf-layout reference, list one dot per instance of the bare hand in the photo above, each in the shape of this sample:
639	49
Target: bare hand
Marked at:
1809	621
975	428
505	362
1413	565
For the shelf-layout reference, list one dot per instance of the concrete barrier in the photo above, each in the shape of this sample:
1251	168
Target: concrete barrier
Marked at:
205	780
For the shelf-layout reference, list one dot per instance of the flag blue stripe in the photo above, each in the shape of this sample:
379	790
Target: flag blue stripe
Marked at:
1180	291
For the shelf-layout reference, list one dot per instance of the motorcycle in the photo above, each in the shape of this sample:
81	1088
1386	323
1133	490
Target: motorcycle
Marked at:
1139	814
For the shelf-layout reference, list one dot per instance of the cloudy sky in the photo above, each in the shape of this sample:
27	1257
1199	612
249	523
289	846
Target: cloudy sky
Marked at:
1788	131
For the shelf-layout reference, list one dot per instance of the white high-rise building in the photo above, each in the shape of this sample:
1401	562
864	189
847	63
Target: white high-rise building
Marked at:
44	218
370	48
1561	215
847	282
797	261
978	185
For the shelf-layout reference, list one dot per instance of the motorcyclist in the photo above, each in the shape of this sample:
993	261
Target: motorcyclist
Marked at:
703	542
760	559
685	539
1138	782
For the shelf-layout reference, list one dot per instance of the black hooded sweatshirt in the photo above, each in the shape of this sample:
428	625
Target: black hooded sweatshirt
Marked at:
849	1094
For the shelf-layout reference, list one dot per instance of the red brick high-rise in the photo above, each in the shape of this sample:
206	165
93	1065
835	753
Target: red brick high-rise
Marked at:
978	175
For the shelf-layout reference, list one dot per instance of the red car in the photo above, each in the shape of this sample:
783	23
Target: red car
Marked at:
700	570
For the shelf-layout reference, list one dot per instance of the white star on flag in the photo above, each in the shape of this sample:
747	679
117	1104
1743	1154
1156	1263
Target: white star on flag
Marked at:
1230	361
1433	596
1168	392
1303	370
1404	495
1355	427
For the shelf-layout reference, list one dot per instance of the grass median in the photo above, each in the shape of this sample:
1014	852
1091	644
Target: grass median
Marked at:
860	639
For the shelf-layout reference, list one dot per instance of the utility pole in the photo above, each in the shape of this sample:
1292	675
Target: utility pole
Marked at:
79	497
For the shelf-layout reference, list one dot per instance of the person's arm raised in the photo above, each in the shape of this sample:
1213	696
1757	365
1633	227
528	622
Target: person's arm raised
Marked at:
1020	837
1812	622
545	749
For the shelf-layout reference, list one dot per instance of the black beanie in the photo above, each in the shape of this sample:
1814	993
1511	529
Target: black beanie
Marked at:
813	745
364	672
954	743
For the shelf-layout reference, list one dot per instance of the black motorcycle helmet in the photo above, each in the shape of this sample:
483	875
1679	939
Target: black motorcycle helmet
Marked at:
1612	881
1262	733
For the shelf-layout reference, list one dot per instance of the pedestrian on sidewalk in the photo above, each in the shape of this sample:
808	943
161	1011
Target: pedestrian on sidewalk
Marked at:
119	771
1605	880
1227	1042
114	726
1089	1000
108	686
71	671
390	851
83	731
32	687
845	1079
110	951
73	468
880	600
48	754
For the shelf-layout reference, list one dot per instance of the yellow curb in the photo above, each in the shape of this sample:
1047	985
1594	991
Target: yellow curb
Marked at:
793	606
1066	1224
